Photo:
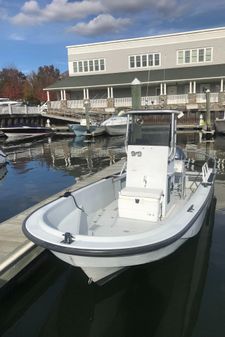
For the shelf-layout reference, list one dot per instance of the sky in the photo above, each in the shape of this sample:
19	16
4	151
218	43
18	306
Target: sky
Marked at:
34	33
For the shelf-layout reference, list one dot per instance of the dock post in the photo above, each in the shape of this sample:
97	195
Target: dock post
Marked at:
136	94
87	116
208	116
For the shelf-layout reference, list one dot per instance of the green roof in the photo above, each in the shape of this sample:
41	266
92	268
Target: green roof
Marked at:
125	78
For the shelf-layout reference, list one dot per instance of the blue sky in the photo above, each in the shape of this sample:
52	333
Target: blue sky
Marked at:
34	33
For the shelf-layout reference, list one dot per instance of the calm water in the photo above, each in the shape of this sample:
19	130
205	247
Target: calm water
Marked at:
182	295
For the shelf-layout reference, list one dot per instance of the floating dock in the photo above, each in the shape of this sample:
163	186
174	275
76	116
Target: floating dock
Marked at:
16	251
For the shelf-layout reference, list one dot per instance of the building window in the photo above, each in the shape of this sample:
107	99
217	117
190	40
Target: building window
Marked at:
132	62
208	54
194	56
187	56
138	61
75	67
201	55
80	66
102	64
85	66
150	60
143	61
96	62
156	57
89	66
198	55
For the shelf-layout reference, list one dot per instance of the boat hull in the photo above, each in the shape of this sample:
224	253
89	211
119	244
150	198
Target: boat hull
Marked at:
102	257
99	268
25	131
116	130
81	130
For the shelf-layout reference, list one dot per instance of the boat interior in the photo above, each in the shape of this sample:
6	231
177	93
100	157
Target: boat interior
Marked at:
155	187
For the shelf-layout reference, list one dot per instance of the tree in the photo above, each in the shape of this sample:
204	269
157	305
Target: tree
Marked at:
45	76
11	83
15	85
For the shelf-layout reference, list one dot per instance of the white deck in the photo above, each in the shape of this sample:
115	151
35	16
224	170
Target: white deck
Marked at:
106	222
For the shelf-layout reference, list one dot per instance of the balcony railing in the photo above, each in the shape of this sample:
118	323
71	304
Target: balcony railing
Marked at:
149	100
201	97
123	102
98	103
146	101
177	99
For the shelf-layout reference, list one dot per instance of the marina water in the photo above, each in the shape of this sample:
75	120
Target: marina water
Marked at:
181	295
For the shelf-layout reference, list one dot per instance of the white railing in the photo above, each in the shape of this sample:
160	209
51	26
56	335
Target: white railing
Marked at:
214	97
98	103
55	104
201	98
149	100
123	102
20	110
177	99
73	104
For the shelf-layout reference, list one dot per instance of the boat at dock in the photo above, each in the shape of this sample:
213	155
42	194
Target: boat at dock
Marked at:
81	129
142	214
115	125
25	131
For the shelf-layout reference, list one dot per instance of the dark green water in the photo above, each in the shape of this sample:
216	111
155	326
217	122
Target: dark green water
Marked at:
182	295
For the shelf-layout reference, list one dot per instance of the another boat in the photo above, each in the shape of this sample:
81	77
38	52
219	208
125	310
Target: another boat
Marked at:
134	217
24	131
81	128
115	125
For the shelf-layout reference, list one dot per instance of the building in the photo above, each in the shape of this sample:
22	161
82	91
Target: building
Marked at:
175	70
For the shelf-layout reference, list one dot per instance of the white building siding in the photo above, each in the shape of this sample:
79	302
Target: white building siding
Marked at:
116	53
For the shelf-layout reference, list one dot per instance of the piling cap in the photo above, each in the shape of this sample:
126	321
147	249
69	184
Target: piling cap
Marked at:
136	82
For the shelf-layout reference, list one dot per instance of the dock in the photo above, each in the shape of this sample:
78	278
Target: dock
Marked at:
16	251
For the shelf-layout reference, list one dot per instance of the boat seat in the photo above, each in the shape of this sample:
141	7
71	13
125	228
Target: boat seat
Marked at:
141	192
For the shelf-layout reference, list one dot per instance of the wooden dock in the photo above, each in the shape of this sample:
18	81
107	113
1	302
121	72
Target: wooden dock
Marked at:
16	251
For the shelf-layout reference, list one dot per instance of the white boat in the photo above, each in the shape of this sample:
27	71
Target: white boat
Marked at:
25	131
132	218
115	125
80	129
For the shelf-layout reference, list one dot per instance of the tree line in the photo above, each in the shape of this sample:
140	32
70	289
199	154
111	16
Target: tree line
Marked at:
28	88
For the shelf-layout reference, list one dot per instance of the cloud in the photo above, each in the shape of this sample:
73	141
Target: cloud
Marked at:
58	10
102	24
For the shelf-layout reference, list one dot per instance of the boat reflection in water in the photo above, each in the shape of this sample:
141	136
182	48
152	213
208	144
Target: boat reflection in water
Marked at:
161	299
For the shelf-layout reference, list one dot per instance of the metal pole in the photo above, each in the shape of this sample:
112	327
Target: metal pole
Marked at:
208	116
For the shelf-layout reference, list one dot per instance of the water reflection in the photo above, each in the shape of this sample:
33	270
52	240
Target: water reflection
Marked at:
42	167
160	299
3	172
